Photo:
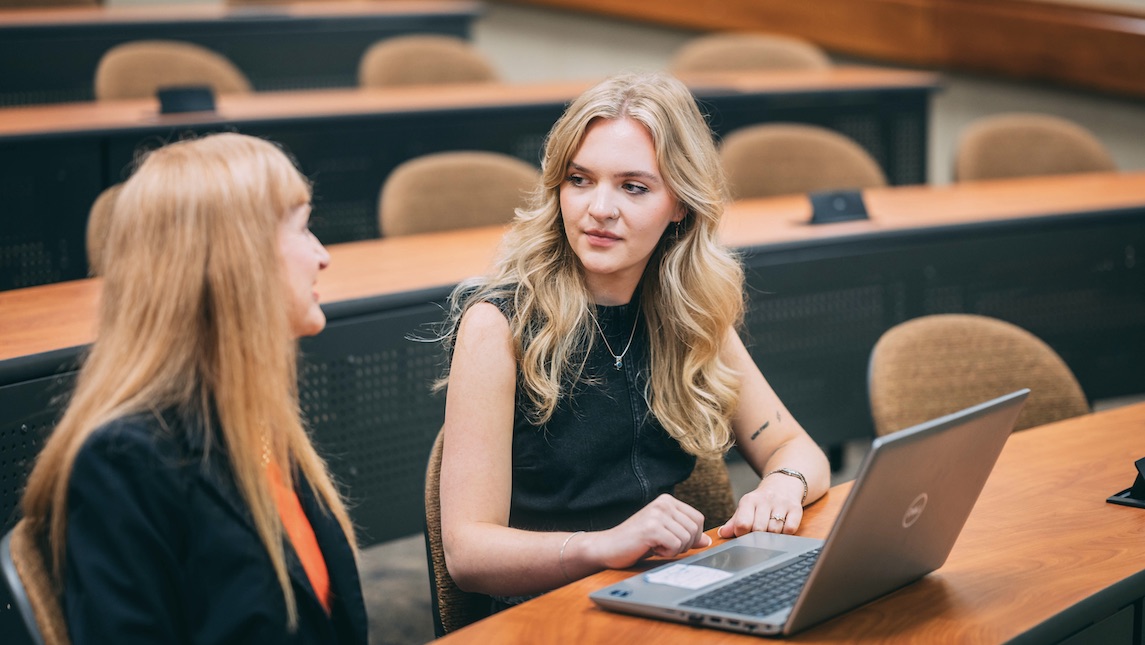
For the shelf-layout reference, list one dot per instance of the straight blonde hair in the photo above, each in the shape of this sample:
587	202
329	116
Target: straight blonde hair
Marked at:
194	317
691	292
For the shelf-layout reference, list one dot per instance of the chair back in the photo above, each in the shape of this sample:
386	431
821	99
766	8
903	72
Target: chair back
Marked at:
709	490
140	68
1026	145
451	190
747	51
938	364
452	607
423	59
26	575
785	158
98	222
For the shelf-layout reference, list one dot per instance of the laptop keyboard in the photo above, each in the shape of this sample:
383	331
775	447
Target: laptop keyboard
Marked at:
760	593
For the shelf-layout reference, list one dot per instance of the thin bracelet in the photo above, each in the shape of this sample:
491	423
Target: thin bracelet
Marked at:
561	559
792	473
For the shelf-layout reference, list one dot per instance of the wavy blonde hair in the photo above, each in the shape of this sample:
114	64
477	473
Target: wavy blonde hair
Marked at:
194	315
692	289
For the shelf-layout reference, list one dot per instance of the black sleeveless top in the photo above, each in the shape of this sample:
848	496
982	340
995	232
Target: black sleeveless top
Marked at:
602	456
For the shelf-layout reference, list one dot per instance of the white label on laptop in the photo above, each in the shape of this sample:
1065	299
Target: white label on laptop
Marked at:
686	576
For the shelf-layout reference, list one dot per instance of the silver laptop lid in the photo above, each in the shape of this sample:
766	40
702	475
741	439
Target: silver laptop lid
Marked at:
918	488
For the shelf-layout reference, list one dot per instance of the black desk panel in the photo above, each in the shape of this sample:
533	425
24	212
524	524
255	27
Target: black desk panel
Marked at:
816	308
890	123
53	63
48	188
349	157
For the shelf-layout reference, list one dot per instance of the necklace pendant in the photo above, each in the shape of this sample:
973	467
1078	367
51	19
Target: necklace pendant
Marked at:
619	362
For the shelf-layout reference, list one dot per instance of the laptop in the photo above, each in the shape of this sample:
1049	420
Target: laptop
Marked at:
913	493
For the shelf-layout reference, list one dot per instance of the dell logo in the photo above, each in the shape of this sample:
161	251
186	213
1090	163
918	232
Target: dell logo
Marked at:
914	511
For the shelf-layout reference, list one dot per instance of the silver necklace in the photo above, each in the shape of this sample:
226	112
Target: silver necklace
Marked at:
618	359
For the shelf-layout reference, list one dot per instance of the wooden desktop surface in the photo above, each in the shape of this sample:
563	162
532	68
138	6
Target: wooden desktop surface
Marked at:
56	316
92	16
1040	540
124	115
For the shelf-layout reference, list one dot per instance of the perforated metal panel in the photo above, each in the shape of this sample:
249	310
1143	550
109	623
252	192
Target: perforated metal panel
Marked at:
47	189
30	411
809	326
365	391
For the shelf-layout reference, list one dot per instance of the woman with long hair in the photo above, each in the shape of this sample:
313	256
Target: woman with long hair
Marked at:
179	499
600	358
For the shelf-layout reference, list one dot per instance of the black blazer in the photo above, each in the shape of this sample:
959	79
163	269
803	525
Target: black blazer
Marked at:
161	548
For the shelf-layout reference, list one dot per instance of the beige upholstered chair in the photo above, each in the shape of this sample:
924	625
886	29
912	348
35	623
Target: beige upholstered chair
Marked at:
423	59
935	365
25	572
783	158
98	221
138	69
747	51
708	490
1024	145
450	190
452	607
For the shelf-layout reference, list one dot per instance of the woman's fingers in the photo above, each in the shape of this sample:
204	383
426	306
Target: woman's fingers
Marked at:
665	527
758	513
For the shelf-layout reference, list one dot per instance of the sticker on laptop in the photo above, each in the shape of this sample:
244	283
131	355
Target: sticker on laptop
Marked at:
686	576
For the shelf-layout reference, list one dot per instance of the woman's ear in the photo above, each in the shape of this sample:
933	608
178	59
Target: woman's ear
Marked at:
681	212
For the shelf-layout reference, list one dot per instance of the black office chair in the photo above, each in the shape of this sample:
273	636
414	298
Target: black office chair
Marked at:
21	560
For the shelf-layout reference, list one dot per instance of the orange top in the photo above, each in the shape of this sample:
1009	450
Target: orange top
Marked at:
301	535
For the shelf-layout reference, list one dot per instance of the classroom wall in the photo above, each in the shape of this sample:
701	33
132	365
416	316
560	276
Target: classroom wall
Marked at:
531	44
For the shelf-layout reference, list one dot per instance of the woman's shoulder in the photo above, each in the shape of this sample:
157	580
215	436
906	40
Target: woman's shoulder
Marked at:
500	296
489	297
484	319
143	436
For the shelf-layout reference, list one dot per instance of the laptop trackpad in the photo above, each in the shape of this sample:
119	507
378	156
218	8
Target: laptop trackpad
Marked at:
737	558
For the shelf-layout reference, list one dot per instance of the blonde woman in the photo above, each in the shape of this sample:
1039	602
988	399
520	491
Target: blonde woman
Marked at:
179	499
600	358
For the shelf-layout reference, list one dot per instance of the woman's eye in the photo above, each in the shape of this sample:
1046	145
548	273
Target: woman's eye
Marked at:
635	189
575	180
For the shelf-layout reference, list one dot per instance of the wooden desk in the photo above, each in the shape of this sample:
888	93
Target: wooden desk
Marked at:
55	159
50	55
1054	255
1041	558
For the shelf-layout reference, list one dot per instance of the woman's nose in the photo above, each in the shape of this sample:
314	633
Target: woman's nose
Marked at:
601	206
323	254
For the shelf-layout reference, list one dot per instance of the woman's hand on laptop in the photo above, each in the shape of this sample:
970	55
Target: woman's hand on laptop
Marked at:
665	527
774	506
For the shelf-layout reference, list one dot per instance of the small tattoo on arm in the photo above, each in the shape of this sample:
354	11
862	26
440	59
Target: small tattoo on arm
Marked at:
761	429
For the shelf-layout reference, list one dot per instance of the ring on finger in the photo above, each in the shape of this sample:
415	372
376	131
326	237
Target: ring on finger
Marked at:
780	519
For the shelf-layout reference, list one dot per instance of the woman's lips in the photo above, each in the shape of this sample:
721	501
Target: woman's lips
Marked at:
601	238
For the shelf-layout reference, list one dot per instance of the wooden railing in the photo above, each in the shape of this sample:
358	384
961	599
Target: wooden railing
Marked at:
1085	46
